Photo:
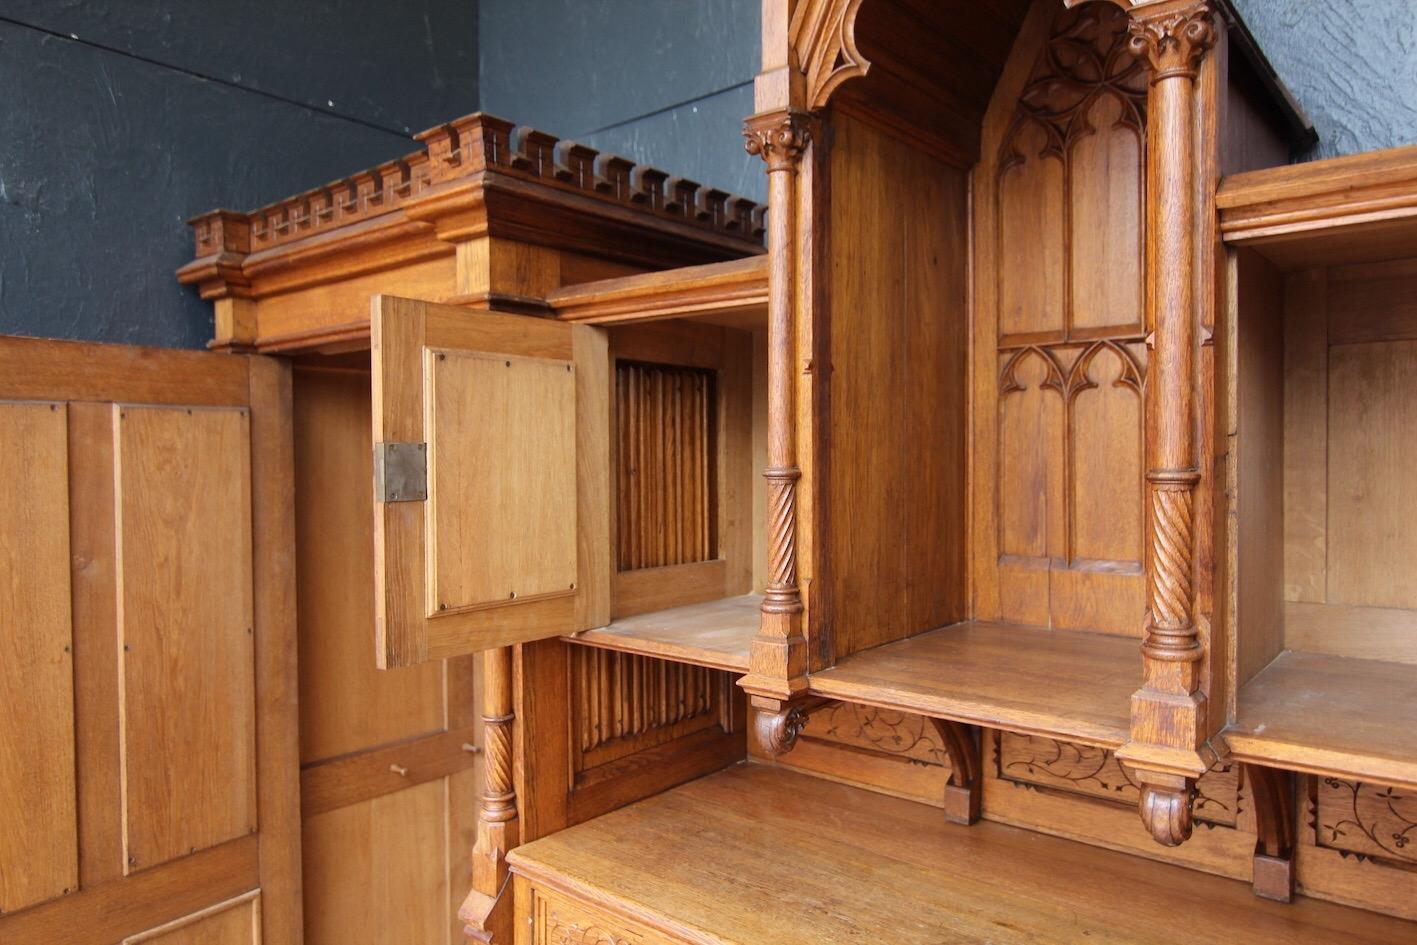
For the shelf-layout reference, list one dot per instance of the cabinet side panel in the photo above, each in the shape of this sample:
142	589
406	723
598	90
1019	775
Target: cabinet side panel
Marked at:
896	497
1260	445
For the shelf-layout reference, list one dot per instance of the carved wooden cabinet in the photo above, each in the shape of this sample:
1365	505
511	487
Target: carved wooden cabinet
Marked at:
1046	469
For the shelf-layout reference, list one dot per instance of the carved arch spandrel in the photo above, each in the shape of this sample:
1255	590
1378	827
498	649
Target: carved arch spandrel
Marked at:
822	34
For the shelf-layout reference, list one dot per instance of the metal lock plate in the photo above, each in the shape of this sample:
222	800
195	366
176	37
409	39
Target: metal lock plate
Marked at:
400	472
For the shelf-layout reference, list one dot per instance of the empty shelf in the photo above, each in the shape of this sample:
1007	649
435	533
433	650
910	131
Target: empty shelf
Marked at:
1330	715
758	854
1065	684
716	634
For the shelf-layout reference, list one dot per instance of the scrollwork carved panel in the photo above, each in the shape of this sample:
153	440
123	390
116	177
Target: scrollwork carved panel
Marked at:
1368	820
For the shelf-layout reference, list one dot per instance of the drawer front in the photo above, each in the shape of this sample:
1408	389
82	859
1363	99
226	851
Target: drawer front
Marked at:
557	920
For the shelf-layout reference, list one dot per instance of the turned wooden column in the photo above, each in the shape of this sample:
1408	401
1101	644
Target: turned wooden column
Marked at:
487	911
1167	751
778	659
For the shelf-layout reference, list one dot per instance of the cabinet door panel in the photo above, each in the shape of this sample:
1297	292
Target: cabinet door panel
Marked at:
183	498
511	542
236	922
38	835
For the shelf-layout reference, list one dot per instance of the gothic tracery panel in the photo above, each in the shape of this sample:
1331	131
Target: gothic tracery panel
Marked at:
1070	192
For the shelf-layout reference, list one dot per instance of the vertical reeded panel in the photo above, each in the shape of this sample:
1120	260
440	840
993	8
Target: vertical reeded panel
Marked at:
622	703
183	495
665	444
38	828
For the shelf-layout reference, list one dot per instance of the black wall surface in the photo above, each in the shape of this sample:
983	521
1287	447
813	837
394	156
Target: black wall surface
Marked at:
120	119
161	109
667	82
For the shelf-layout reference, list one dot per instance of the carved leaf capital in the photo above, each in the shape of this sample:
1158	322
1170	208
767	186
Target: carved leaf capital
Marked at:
1173	43
779	138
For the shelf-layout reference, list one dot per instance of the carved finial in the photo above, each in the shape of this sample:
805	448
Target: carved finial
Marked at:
1166	812
1173	43
777	731
777	137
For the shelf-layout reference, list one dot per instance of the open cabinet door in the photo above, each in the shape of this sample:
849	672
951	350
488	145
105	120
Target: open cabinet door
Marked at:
492	472
149	757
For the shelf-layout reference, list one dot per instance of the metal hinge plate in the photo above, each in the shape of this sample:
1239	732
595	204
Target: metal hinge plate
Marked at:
400	472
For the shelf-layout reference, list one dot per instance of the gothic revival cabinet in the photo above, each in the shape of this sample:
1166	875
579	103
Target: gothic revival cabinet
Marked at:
1044	470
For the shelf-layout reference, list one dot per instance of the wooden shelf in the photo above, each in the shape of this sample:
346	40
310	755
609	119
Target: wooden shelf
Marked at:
715	634
762	854
732	293
1330	715
1076	686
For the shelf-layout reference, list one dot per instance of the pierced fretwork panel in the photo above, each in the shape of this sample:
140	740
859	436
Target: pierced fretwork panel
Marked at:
665	456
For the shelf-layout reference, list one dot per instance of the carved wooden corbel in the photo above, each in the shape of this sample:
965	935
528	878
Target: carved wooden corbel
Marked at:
1167	751
963	791
776	726
1272	793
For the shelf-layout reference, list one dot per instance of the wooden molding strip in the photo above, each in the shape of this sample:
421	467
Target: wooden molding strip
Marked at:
330	785
1363	188
739	285
146	899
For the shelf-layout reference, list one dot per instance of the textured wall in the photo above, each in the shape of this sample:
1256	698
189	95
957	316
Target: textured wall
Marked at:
119	119
668	82
1352	64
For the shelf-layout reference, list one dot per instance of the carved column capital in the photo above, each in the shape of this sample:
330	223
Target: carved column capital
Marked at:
1173	42
779	138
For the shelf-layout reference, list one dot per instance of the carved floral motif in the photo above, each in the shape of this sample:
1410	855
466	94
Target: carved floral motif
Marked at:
779	138
1372	820
1173	43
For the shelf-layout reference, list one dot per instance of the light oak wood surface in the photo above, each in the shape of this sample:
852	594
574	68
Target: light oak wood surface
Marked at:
1072	685
716	634
733	293
1330	715
703	863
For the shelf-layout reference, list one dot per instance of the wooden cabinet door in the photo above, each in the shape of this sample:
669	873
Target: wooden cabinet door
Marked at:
492	511
148	738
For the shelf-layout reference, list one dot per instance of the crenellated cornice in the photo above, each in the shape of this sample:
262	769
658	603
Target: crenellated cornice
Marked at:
459	162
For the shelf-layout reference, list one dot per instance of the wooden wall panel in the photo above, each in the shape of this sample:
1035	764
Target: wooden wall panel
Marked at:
360	726
1306	436
182	480
1372	540
895	498
39	857
346	704
377	872
235	922
1059	363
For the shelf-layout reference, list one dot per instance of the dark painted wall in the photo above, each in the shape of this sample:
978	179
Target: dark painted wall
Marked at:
1352	64
667	82
119	119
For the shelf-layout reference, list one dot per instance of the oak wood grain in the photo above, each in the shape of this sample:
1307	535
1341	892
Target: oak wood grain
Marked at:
728	834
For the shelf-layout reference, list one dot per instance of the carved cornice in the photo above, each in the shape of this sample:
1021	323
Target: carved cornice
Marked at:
1173	42
823	40
779	138
455	156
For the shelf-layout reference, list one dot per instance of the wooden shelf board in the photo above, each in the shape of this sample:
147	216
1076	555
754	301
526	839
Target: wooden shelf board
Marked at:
1330	715
1065	684
734	293
715	634
763	854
